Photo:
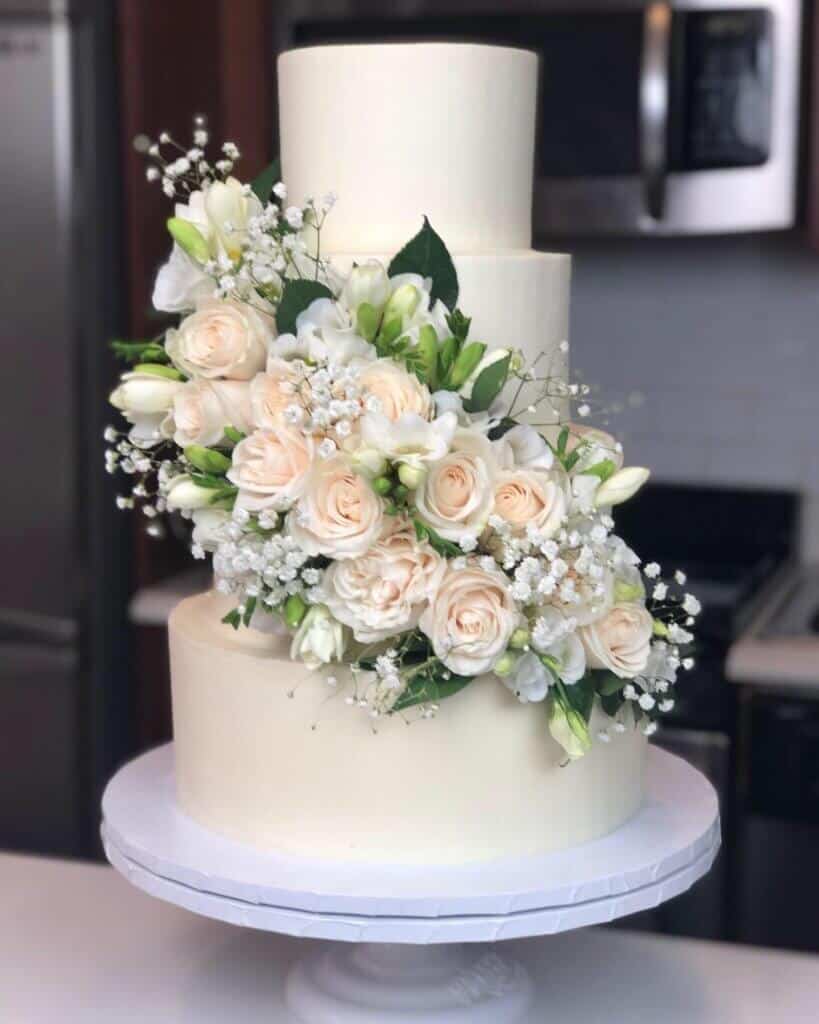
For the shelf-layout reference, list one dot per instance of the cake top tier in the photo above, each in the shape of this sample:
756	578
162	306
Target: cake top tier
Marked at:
400	131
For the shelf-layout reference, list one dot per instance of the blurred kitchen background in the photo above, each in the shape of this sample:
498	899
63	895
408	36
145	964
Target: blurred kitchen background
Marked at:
677	159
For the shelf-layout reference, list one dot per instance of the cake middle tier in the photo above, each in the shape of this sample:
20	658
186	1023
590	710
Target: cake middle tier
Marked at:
517	298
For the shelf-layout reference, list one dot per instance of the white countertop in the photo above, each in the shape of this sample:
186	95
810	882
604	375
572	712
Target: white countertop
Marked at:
78	944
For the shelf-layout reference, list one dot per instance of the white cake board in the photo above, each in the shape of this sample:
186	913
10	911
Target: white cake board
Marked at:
389	908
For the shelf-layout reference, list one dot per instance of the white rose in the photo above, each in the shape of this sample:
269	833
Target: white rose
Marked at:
620	641
223	338
529	680
270	467
368	283
383	593
397	391
409	439
456	496
533	497
272	392
319	639
339	514
203	408
229	206
523	446
208	527
181	283
470	619
325	332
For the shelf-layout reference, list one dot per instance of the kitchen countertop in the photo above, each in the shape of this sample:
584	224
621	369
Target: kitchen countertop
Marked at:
78	944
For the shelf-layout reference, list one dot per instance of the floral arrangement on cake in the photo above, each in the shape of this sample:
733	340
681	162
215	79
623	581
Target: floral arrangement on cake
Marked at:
378	484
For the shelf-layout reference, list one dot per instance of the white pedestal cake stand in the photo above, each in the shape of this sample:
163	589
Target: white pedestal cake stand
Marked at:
398	949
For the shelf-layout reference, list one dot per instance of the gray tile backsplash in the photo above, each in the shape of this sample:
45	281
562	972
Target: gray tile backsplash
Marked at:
720	339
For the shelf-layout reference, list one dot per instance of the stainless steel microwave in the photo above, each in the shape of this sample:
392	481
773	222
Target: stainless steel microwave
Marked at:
655	117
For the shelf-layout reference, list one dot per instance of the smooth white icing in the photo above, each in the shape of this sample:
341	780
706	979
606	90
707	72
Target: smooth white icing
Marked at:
267	753
403	130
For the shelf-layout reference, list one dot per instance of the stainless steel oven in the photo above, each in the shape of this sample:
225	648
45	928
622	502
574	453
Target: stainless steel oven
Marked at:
655	117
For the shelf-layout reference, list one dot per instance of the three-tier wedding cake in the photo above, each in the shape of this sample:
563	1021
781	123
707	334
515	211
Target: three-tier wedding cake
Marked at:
425	643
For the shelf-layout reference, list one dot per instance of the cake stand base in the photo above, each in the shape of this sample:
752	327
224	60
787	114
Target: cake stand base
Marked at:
398	984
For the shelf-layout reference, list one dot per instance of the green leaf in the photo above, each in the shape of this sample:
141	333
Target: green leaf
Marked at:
208	460
233	618
607	683
234	435
250	608
604	469
212	481
489	385
427	351
446	357
430	687
580	695
263	183
562	440
140	351
296	297
467	361
367	321
611	703
427	255
189	238
459	325
444	547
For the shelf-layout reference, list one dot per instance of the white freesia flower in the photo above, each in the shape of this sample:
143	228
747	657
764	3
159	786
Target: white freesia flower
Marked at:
319	639
529	680
396	390
324	332
224	338
383	592
229	206
208	527
620	641
457	495
624	484
470	619
181	283
203	408
339	514
270	467
368	283
410	439
182	493
523	446
144	400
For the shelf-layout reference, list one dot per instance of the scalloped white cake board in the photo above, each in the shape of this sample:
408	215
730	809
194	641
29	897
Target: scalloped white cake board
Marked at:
399	917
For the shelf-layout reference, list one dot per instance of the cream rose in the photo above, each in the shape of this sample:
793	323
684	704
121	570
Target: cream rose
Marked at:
203	408
397	391
270	467
383	593
531	496
470	619
272	392
620	641
456	496
223	338
339	514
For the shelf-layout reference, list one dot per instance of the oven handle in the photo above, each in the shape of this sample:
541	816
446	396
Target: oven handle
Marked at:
654	92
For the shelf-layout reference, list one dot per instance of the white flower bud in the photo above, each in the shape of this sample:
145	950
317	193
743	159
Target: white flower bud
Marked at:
183	493
624	484
144	393
369	462
319	639
411	476
367	283
402	303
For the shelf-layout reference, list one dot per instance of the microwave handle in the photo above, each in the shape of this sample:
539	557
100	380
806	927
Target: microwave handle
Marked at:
654	91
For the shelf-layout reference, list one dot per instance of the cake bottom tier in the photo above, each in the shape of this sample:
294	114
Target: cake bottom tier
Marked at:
268	754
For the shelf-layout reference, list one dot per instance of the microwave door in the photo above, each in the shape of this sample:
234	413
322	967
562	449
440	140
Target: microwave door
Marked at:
654	106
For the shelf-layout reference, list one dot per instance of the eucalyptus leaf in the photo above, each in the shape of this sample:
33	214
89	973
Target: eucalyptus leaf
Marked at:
489	385
427	255
263	183
296	297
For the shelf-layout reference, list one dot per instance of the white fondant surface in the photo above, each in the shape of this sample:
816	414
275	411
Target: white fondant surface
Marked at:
268	754
404	130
